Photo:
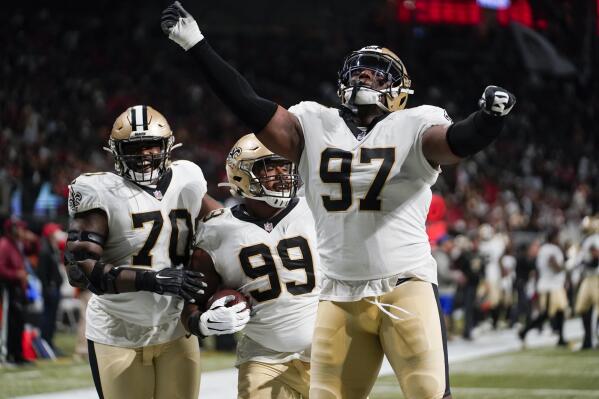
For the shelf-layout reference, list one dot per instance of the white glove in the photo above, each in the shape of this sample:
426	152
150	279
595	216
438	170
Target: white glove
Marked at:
220	319
180	26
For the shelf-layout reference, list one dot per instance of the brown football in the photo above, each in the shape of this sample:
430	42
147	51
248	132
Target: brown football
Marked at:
239	298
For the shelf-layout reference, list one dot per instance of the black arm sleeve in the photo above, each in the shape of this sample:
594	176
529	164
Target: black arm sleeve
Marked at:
232	88
469	136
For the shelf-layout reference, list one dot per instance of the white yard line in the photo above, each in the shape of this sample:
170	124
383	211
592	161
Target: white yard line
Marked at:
518	392
508	392
223	383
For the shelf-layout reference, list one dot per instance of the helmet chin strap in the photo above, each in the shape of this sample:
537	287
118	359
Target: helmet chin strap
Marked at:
361	95
351	102
139	177
275	202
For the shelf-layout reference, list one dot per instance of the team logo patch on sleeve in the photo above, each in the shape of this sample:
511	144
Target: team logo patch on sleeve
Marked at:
74	200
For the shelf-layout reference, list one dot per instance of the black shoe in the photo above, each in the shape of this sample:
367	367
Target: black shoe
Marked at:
522	334
562	342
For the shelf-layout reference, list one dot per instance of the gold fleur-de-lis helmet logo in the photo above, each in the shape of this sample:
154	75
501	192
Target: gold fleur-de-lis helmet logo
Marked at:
74	200
233	155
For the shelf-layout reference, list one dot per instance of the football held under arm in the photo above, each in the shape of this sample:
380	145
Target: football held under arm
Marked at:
220	318
200	262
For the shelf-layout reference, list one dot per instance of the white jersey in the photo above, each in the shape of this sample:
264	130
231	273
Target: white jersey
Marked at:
548	279
585	252
493	250
369	197
152	230
508	262
275	263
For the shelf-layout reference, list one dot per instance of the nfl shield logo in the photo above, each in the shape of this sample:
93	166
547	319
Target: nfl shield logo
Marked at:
158	194
268	226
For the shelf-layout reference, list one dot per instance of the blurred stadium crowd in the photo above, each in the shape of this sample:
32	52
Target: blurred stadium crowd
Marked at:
68	71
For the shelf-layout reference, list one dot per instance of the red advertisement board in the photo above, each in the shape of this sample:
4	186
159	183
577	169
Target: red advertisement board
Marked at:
465	12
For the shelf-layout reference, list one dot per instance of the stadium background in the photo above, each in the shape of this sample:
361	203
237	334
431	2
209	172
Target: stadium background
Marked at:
69	68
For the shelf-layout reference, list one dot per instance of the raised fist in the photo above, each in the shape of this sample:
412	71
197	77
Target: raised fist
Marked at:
497	101
180	26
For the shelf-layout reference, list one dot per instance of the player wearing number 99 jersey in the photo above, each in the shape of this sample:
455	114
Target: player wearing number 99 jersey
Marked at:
265	248
130	232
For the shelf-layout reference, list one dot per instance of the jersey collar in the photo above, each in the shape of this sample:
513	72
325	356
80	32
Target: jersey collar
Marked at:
160	190
358	133
267	224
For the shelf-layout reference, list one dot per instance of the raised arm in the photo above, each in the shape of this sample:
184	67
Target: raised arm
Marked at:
276	127
445	145
88	232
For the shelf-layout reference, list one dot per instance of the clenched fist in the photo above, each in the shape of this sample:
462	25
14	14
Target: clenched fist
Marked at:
497	101
180	26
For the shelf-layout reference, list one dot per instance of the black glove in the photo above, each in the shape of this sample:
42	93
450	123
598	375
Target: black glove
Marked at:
496	101
183	283
76	277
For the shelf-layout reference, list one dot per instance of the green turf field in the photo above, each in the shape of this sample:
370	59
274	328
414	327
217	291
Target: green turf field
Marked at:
66	373
536	373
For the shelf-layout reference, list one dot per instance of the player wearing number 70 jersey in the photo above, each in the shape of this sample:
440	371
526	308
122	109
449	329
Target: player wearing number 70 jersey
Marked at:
128	234
265	248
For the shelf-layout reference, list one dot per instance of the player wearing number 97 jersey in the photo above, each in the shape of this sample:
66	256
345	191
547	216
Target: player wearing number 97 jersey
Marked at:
265	248
129	237
367	166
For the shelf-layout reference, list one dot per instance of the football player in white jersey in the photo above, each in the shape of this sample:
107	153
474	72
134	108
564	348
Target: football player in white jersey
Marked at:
265	248
588	293
367	167
129	236
551	290
492	246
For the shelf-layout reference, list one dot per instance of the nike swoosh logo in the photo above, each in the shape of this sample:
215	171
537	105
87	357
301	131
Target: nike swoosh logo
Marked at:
163	277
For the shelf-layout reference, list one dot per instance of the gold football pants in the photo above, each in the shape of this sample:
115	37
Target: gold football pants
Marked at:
553	301
259	380
164	371
350	339
588	294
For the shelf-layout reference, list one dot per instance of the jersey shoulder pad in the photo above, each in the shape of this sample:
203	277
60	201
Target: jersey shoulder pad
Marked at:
189	175
208	229
214	214
308	107
190	169
428	114
86	192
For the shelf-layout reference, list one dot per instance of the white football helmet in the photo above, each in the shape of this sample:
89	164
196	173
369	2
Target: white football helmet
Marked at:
243	164
388	70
